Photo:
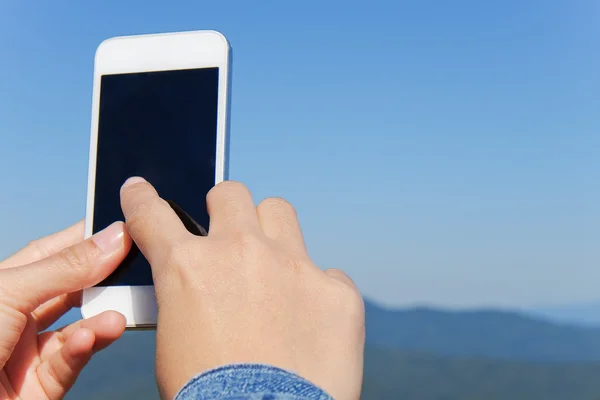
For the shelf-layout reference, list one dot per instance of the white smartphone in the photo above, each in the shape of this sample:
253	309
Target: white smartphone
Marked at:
160	110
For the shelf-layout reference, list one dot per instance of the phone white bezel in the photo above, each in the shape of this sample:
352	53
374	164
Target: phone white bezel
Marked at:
145	53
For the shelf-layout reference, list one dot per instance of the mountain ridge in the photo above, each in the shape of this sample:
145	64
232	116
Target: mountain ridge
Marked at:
581	313
419	352
480	333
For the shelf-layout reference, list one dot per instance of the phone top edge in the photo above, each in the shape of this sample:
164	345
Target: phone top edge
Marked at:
220	35
166	49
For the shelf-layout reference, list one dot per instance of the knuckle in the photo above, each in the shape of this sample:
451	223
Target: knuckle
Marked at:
340	276
346	294
59	380
141	212
227	189
353	308
179	268
8	293
77	257
12	318
177	256
35	248
148	207
13	325
277	204
243	245
134	224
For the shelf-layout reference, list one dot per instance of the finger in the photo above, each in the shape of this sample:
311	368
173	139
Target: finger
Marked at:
49	312
341	276
77	267
279	222
58	374
107	327
151	222
39	249
230	206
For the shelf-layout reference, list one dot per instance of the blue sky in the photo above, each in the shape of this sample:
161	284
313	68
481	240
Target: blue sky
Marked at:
439	152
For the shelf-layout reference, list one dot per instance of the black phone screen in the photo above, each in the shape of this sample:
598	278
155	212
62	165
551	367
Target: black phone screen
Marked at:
161	126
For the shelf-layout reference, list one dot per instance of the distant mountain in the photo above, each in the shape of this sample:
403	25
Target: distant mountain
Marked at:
584	314
125	372
405	375
421	353
485	333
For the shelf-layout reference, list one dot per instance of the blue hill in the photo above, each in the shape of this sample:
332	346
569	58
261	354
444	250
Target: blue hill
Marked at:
486	333
423	353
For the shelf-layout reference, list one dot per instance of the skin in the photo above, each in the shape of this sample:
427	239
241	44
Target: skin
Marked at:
39	284
247	292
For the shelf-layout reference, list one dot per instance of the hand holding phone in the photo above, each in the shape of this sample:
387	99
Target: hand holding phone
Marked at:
246	293
38	285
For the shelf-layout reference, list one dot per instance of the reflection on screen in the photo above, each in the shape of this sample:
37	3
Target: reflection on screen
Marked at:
161	126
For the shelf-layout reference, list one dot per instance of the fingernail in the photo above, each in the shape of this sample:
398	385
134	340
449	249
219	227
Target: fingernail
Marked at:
132	180
110	237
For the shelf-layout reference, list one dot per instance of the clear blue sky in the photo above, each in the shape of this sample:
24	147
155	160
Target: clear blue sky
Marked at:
440	152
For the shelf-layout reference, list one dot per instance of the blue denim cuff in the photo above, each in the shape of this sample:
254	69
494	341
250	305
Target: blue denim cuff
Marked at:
250	382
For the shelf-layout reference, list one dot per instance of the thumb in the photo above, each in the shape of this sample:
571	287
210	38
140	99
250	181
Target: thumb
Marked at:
74	268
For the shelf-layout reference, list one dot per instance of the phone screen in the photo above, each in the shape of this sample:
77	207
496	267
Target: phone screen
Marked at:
161	126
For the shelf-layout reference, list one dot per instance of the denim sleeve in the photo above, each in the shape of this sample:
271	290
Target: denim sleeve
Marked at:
250	382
